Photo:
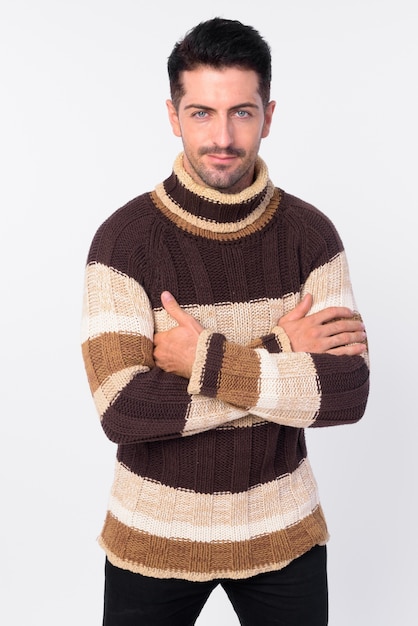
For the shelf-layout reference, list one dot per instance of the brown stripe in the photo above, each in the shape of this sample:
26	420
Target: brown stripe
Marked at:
260	449
213	364
239	380
202	561
112	352
259	223
270	343
344	388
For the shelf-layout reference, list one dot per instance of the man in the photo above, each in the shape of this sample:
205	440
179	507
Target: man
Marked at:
219	323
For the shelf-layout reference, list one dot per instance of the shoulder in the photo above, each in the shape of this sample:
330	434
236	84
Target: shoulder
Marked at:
310	231
122	228
307	217
134	210
304	211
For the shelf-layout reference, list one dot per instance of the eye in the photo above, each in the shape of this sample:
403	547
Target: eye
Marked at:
200	115
242	114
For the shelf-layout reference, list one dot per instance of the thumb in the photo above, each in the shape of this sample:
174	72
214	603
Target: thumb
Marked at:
173	308
300	310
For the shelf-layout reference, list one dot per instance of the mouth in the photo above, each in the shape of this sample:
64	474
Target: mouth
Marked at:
221	159
222	154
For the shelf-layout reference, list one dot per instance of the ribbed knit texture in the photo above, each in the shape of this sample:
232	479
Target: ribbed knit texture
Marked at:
212	477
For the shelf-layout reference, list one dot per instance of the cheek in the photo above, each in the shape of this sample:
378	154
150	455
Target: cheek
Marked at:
193	134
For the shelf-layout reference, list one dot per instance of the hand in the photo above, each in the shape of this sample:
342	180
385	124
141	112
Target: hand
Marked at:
333	330
175	349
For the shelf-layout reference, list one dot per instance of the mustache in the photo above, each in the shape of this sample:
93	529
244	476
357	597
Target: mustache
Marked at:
230	151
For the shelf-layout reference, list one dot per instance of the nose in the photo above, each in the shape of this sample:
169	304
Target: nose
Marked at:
223	132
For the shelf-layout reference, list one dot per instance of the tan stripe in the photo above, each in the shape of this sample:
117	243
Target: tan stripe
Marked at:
177	513
111	353
240	374
165	558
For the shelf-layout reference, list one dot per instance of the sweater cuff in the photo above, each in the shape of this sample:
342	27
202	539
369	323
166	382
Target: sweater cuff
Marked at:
207	365
282	339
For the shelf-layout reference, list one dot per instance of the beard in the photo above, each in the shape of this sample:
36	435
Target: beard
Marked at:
220	176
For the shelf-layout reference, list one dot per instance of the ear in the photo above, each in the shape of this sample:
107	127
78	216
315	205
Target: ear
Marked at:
268	117
173	118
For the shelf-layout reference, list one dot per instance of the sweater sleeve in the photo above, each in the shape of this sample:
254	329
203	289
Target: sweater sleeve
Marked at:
291	388
136	400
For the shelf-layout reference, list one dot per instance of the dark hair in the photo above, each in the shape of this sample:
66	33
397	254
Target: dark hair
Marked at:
220	43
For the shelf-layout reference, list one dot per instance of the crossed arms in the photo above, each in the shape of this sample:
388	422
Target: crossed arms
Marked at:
151	385
333	330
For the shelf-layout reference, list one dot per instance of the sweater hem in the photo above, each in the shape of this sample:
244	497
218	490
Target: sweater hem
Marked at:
138	568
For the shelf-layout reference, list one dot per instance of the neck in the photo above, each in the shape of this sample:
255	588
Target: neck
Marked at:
260	180
192	205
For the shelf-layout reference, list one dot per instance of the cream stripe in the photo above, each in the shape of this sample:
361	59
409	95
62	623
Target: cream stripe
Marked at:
206	413
241	322
291	376
114	302
179	514
113	385
95	325
330	285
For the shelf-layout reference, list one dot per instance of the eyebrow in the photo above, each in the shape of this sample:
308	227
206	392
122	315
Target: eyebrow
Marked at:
244	105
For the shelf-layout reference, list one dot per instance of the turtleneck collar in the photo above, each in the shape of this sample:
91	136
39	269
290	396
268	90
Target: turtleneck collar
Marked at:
208	209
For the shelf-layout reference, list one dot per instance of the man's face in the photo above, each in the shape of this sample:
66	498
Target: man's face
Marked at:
221	120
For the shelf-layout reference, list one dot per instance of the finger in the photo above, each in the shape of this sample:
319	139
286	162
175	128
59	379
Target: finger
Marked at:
333	314
353	349
300	310
345	325
173	308
168	300
345	339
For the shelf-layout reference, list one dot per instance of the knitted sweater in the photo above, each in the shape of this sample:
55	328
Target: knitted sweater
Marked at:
212	478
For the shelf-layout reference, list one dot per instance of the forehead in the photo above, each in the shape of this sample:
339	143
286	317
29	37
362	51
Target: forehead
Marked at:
220	86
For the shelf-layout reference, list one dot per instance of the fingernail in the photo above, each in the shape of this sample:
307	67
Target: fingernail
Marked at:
167	296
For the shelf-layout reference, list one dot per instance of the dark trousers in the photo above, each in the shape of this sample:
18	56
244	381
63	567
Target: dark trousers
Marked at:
294	596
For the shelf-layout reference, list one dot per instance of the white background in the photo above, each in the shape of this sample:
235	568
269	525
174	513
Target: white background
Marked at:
83	130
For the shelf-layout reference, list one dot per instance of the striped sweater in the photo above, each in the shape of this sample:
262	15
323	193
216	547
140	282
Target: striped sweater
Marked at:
212	478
